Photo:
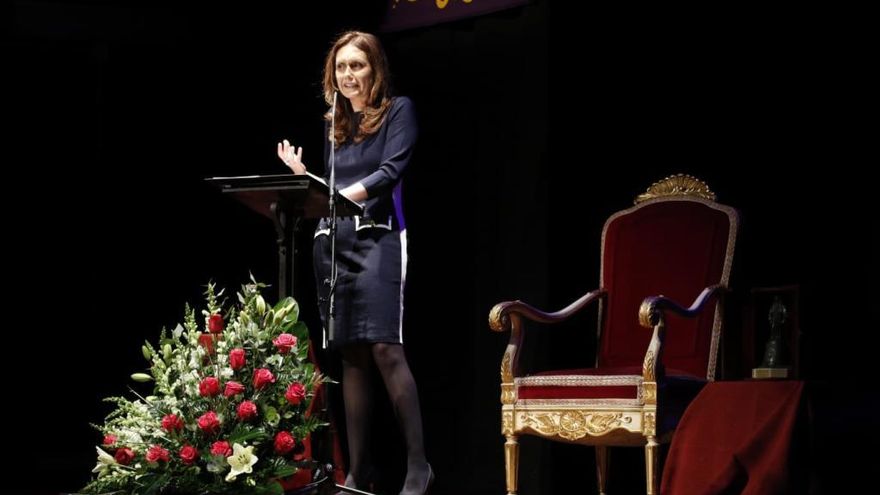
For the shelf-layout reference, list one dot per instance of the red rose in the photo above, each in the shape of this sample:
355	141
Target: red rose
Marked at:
237	359
157	453
263	377
233	388
284	442
109	439
206	340
209	387
215	323
188	454
171	422
295	394
124	456
221	447
247	410
208	422
284	343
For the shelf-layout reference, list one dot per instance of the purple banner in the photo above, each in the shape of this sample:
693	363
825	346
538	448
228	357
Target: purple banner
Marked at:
406	14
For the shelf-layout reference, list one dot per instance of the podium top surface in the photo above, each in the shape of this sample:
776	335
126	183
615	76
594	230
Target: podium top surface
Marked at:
305	196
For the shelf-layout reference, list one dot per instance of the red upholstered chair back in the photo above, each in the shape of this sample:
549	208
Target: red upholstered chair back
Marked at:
673	247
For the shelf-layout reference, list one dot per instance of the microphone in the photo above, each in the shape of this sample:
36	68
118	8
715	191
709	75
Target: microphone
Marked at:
333	149
333	118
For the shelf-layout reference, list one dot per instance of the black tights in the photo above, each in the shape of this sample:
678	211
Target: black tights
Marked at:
357	361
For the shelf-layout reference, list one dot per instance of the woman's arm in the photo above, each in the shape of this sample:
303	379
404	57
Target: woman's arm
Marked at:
400	141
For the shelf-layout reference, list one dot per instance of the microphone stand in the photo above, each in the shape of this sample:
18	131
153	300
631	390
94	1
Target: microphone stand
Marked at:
331	306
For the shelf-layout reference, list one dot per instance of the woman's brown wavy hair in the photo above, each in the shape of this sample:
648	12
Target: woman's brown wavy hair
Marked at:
379	99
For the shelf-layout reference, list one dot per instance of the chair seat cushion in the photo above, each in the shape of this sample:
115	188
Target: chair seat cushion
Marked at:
615	385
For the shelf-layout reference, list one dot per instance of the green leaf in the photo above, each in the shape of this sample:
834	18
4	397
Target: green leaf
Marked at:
243	434
285	471
272	416
299	329
273	488
152	483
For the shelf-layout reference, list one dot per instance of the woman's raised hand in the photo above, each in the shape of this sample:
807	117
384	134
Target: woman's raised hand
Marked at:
292	157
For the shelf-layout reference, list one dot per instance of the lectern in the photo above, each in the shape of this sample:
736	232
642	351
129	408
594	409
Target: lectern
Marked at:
285	199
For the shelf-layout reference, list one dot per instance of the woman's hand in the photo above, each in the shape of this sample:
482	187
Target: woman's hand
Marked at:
292	157
355	192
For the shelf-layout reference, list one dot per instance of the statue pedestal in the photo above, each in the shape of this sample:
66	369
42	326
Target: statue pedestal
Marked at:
765	373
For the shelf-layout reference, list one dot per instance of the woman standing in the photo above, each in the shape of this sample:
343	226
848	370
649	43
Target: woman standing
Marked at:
374	135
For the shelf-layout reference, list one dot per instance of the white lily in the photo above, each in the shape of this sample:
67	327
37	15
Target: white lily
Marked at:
242	460
105	462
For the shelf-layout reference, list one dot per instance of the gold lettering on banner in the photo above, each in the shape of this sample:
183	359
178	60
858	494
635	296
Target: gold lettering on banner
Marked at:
441	4
573	425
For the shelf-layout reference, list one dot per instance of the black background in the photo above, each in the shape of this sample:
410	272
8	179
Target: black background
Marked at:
536	124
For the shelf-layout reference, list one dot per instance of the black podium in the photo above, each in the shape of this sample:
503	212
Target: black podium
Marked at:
285	199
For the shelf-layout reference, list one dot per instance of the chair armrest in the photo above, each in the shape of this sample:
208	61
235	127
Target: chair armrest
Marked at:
499	317
507	316
651	316
650	312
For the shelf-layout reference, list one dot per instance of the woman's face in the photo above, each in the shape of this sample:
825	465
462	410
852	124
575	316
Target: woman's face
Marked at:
353	75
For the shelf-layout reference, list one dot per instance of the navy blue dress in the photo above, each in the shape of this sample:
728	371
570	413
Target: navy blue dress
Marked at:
371	250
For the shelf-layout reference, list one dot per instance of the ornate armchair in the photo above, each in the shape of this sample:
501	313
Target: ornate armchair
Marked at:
674	247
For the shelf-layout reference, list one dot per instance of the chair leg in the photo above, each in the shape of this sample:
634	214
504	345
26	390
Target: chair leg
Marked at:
511	462
602	467
652	463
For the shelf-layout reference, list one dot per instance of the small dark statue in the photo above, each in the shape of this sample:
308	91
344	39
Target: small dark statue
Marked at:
773	353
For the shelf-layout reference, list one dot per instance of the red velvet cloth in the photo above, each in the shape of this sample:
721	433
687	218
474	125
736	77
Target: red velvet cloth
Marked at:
670	248
555	392
735	437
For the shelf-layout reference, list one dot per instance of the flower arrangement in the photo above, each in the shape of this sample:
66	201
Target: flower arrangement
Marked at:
228	410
